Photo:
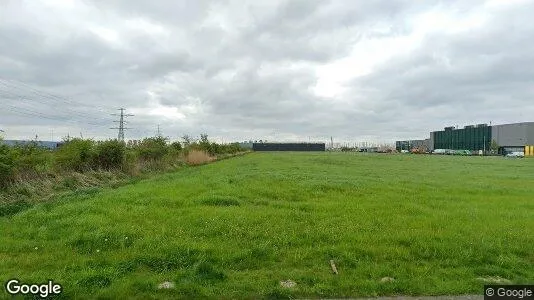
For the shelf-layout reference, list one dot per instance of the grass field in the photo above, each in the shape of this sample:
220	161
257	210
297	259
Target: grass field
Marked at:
236	228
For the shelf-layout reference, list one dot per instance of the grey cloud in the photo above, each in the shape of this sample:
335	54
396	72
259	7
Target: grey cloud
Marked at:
473	76
251	75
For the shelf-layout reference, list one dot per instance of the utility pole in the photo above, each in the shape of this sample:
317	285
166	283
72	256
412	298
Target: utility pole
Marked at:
484	153
159	132
121	122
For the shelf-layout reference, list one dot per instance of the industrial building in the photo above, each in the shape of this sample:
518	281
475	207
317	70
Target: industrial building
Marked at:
470	137
43	144
482	137
411	144
289	146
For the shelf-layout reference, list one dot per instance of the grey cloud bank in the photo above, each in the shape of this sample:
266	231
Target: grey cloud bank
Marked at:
275	70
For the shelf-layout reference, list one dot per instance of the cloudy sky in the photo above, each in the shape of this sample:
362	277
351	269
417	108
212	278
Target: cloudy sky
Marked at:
357	70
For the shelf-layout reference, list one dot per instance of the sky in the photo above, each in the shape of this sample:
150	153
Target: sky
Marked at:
276	70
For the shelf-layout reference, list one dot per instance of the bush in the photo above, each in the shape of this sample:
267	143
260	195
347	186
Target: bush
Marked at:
202	145
7	166
30	158
75	154
110	155
213	148
153	148
176	146
131	163
230	148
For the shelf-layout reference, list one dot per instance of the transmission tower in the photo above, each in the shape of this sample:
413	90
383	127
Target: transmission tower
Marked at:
121	122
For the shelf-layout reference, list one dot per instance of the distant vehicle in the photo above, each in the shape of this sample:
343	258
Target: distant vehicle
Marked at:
405	151
516	154
440	151
461	152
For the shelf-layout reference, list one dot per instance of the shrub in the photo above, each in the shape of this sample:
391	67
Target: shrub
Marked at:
153	148
176	146
30	158
203	144
215	148
7	166
229	149
131	163
110	155
197	157
75	154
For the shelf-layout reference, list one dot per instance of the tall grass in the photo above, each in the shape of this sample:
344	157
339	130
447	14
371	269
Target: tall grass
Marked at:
198	157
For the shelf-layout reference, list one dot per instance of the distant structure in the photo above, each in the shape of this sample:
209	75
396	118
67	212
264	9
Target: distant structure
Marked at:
411	144
289	146
505	138
43	144
122	122
246	145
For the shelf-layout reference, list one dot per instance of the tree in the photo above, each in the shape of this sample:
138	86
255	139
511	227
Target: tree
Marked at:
494	147
187	140
204	138
176	146
7	165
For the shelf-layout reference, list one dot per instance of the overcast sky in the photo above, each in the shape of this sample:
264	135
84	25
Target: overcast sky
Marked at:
357	70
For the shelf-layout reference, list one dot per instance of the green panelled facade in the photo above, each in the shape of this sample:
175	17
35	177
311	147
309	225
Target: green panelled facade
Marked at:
469	138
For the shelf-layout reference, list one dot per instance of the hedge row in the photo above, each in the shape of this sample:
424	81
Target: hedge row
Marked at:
82	155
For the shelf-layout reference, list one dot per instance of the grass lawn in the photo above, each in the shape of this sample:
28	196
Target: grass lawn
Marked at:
236	228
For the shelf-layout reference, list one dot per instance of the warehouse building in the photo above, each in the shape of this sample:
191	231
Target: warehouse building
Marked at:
507	137
470	137
289	146
516	137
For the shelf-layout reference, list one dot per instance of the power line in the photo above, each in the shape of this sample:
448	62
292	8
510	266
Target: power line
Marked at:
33	113
121	122
19	91
13	84
41	100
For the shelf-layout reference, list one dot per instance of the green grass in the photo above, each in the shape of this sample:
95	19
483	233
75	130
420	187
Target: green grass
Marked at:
236	228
